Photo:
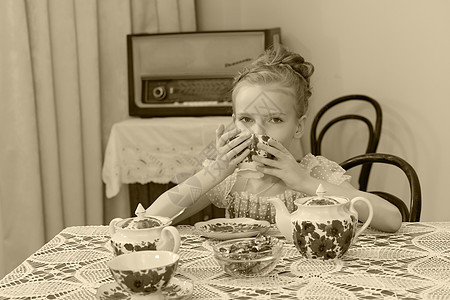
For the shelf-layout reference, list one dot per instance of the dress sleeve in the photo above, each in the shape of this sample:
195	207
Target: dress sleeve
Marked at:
324	169
218	194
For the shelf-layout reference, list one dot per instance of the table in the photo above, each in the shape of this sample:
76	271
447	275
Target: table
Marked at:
413	263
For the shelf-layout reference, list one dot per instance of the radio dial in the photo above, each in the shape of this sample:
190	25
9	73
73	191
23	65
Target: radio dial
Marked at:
159	93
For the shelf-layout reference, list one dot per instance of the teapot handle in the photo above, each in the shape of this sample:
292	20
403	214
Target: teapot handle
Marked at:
369	218
170	238
112	225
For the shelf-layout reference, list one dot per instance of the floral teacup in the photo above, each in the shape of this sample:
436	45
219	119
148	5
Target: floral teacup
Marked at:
247	168
144	274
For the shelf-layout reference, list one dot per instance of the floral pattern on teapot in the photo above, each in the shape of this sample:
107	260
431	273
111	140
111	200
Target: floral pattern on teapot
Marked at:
324	240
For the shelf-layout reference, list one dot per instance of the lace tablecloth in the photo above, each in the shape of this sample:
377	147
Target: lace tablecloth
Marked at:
413	263
158	149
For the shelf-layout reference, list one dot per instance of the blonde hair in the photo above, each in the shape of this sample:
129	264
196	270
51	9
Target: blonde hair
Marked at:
281	66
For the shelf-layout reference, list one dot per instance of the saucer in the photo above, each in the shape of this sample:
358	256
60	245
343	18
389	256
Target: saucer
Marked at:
226	228
177	289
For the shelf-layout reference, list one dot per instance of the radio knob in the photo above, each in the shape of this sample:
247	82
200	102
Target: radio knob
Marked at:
159	93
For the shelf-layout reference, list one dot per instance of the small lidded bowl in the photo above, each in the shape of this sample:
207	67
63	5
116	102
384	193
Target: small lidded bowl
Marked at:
249	257
143	233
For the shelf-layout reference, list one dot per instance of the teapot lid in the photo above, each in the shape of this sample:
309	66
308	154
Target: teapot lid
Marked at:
140	221
321	199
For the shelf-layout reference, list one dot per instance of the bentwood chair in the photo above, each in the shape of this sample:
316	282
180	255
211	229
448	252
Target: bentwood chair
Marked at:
374	129
411	214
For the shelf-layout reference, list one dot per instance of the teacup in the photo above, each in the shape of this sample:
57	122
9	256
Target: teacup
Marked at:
144	274
247	168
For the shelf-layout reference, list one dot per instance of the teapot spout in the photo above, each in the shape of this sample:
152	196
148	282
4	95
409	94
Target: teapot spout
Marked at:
282	218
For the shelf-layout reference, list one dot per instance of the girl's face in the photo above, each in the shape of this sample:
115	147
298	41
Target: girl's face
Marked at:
268	110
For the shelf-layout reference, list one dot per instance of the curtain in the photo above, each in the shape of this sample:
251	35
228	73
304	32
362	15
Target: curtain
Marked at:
63	83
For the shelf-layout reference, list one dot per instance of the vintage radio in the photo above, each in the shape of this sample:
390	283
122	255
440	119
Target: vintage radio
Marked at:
189	74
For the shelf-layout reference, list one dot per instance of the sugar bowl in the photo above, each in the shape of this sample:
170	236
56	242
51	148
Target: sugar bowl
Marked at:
143	233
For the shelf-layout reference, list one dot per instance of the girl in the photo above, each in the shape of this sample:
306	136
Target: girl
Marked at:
270	97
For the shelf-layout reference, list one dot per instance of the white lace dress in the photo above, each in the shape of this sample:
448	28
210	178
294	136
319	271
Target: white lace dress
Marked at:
239	204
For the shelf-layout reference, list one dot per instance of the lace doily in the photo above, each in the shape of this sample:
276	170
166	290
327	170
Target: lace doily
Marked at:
413	263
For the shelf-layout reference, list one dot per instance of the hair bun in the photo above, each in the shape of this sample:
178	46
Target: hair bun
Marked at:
305	69
294	60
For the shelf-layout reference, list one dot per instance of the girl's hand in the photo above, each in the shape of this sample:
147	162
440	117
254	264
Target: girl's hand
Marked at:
283	165
232	148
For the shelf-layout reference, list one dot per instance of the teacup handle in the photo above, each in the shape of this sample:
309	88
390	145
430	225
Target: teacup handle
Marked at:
369	218
112	225
170	238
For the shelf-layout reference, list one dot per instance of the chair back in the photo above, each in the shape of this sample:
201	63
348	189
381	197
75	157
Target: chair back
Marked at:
374	130
411	214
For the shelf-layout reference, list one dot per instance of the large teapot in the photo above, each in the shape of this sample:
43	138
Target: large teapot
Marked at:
322	226
143	233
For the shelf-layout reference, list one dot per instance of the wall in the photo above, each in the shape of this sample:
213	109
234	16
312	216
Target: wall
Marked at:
394	51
